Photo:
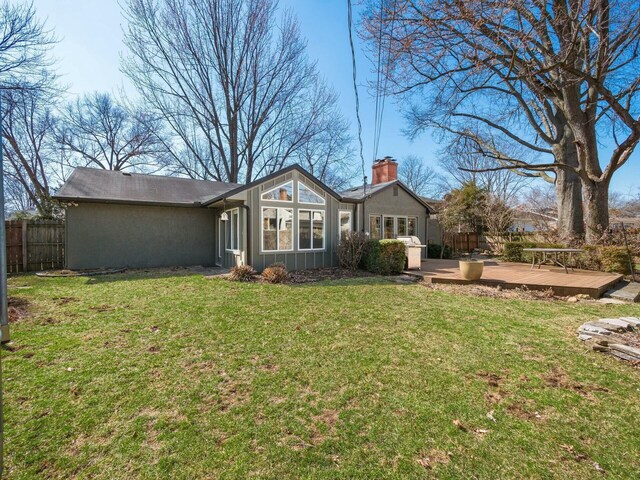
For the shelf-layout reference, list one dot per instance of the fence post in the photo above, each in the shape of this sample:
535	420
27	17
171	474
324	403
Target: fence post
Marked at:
25	260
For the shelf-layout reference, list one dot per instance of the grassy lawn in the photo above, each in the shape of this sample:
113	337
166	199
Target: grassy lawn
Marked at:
180	377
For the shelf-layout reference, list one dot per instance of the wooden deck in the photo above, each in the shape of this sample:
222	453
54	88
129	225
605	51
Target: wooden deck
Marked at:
514	275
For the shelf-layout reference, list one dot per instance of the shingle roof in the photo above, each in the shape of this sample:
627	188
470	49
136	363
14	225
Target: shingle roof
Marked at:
97	185
358	193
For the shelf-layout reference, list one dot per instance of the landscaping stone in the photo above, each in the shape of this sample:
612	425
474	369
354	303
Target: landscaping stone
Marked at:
625	291
619	337
617	322
588	328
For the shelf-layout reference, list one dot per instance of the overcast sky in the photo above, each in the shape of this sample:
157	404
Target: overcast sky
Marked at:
90	33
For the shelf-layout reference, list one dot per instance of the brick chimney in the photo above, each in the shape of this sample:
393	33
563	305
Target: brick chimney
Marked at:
384	170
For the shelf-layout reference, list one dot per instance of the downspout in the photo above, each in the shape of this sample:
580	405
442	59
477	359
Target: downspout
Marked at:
426	238
248	235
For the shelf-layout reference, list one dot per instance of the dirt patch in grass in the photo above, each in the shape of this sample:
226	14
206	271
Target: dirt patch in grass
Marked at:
320	274
558	378
64	300
433	458
17	309
492	292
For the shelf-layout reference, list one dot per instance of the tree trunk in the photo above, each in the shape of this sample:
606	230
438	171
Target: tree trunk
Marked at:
597	204
568	190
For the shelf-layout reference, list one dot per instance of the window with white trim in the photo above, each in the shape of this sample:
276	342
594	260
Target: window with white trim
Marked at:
281	193
306	195
344	218
277	229
412	226
389	224
232	230
401	226
311	229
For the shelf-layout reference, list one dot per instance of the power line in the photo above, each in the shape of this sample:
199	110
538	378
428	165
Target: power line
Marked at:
381	93
355	84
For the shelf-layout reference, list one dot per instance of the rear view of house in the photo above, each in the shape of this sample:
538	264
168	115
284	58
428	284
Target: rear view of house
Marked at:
117	219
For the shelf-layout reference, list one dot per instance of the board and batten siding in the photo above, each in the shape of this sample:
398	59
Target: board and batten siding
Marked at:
138	236
295	259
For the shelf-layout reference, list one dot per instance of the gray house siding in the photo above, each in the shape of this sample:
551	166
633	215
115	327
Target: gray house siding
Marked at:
110	235
395	201
294	259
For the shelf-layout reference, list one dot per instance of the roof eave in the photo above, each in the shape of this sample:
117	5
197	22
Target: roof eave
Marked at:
67	199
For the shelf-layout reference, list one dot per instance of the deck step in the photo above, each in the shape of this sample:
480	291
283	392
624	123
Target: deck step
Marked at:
625	291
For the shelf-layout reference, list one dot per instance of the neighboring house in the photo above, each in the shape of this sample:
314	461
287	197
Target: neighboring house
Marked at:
116	219
527	221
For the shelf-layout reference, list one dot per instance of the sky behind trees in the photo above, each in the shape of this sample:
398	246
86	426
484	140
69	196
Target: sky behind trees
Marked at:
90	46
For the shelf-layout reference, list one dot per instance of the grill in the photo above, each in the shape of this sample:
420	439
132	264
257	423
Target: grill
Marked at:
413	248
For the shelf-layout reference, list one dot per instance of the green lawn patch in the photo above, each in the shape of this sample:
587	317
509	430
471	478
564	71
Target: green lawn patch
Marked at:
165	376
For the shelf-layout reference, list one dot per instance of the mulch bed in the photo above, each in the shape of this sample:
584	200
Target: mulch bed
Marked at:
493	292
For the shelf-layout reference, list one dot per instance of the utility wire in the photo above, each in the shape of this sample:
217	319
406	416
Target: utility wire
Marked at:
381	93
355	84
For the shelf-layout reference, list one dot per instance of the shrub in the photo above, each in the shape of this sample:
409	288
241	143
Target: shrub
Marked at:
615	259
513	251
351	250
241	273
385	257
276	273
434	250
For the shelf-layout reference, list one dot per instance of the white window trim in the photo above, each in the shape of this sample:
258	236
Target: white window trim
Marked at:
350	213
324	230
262	199
395	227
406	224
262	249
230	214
417	225
324	202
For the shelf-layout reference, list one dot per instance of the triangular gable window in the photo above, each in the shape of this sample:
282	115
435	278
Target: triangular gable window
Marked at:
306	195
281	193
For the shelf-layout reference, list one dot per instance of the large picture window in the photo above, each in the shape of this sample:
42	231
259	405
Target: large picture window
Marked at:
345	224
306	195
374	227
281	193
232	230
311	229
277	229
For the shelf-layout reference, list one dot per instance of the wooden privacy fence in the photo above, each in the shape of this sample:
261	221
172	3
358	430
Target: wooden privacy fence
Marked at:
462	242
34	245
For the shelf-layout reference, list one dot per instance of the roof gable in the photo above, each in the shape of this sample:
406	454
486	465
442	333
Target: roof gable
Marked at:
284	171
359	194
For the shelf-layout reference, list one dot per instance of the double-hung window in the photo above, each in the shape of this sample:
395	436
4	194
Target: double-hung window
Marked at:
232	230
311	229
412	226
277	229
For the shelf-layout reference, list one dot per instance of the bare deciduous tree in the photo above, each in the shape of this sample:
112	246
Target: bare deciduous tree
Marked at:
26	87
554	77
28	139
230	79
463	163
419	177
99	131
